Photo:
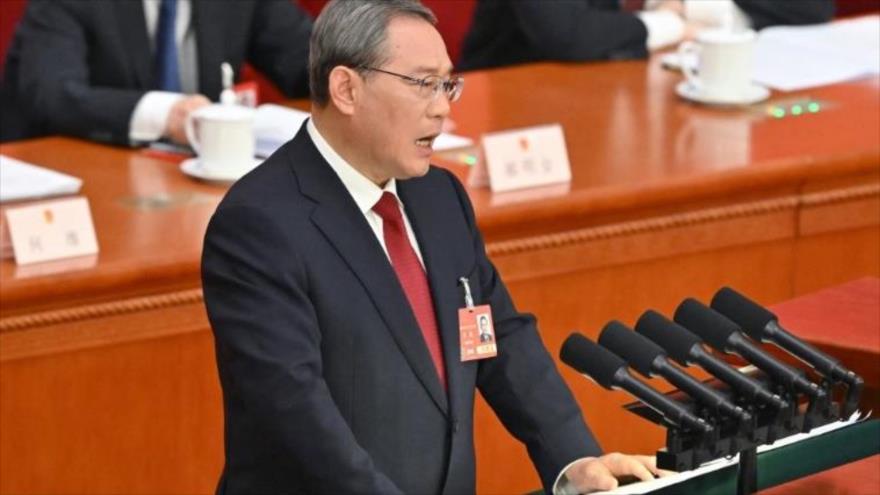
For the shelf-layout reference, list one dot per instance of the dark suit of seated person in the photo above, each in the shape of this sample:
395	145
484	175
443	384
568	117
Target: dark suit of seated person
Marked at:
505	32
331	275
106	70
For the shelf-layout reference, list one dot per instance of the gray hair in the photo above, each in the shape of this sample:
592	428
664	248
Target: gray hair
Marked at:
352	33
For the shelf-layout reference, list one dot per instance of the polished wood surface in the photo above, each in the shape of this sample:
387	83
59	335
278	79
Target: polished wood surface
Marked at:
858	478
634	145
108	379
149	219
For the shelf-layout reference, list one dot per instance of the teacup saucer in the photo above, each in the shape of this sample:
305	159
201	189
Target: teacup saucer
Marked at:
193	168
754	94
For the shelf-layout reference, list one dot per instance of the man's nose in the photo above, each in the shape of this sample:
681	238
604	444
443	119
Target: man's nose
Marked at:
440	106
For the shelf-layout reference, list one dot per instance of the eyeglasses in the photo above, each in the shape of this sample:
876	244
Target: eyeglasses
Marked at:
430	86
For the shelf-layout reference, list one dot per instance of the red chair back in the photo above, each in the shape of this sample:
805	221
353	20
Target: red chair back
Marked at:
10	13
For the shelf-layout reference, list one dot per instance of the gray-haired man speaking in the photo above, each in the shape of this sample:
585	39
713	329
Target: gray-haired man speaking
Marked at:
335	277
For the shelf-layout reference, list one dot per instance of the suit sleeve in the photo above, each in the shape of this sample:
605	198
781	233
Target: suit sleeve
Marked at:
53	77
577	31
279	45
765	13
522	384
268	352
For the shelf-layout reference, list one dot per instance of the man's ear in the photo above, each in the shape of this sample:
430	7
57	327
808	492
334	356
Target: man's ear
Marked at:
345	87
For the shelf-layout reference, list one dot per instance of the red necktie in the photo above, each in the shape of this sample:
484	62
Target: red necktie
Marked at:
411	276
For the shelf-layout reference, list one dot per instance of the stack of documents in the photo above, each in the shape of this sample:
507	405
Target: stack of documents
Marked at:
790	58
274	125
20	181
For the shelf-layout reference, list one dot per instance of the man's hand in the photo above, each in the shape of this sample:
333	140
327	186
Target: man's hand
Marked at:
602	473
174	126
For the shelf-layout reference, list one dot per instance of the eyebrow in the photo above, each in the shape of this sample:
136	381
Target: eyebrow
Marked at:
432	70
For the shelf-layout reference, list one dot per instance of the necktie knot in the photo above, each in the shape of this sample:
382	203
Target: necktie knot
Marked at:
387	208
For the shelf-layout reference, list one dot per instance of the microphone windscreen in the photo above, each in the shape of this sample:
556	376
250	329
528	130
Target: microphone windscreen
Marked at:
585	356
711	326
674	338
638	351
751	316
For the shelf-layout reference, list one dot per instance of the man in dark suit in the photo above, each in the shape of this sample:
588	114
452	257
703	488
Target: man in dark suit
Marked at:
89	68
332	279
505	32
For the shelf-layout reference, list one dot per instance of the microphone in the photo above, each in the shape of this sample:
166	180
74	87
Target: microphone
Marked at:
609	371
725	336
649	359
763	326
686	348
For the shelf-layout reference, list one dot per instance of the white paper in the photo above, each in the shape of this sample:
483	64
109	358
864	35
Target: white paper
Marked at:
656	484
790	58
20	180
274	125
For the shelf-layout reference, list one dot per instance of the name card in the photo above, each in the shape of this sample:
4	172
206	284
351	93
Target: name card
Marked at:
51	230
535	156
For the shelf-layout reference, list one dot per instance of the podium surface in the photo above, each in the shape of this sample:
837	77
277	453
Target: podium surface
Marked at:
794	461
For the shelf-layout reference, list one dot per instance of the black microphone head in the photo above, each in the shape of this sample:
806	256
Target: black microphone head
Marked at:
751	316
585	356
711	326
674	338
638	351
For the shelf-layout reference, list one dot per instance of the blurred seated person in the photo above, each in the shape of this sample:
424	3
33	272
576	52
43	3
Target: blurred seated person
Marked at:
505	32
129	72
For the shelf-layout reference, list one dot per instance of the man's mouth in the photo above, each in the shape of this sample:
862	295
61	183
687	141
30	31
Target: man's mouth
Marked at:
427	141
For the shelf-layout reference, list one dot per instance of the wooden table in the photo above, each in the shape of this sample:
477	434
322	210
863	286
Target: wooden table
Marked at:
108	379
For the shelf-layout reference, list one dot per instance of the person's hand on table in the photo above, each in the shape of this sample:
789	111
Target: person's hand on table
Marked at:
603	473
175	125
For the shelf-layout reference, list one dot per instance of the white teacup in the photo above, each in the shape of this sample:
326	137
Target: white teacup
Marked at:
723	67
223	137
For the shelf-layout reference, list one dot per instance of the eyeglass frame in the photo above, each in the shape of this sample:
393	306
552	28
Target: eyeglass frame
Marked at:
423	82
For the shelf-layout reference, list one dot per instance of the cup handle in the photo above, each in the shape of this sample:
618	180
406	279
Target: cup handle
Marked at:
189	127
685	51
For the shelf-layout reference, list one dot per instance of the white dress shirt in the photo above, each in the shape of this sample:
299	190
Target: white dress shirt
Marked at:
151	112
667	28
364	191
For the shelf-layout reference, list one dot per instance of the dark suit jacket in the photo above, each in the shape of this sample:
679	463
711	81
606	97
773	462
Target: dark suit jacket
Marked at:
765	13
328	385
79	67
505	32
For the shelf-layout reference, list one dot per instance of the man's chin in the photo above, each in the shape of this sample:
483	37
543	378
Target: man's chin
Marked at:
415	169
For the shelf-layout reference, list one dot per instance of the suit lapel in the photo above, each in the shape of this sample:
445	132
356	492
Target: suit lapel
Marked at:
208	20
336	215
138	54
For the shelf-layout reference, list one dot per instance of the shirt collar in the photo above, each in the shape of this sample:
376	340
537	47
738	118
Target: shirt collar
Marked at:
364	191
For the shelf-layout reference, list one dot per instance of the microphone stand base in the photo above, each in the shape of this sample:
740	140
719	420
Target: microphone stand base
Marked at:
747	472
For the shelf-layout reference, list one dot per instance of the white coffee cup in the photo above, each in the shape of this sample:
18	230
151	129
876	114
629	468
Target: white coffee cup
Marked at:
223	137
722	67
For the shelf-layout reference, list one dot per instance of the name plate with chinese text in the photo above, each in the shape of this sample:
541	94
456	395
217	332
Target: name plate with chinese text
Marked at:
51	230
522	158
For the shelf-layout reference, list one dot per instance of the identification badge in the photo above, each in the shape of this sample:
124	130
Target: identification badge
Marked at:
475	328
